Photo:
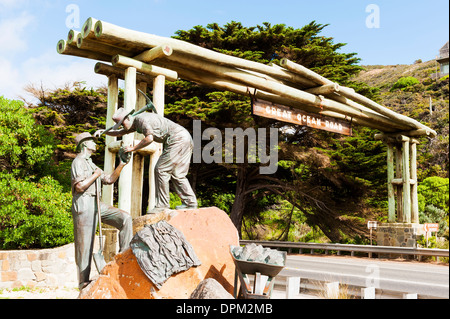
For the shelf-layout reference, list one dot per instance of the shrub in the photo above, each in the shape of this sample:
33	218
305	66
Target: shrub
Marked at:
34	209
404	82
433	197
434	191
26	149
432	214
34	215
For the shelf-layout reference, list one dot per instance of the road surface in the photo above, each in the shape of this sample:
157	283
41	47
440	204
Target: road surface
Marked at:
424	279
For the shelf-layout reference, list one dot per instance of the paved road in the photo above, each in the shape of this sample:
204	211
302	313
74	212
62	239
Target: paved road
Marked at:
403	276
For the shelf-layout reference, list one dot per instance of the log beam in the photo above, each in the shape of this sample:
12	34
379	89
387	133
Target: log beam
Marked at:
158	52
63	48
351	94
325	89
124	62
289	93
119	36
87	30
72	36
108	70
96	46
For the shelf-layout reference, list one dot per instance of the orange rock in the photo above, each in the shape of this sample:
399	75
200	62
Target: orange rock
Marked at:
209	231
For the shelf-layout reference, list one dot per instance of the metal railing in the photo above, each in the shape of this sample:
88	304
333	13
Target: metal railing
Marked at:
351	248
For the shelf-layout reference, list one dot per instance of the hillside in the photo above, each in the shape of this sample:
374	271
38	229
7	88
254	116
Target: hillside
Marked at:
412	98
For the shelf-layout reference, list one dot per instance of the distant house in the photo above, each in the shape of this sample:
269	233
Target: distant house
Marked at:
443	60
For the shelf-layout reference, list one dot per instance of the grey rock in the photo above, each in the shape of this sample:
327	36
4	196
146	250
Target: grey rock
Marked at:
210	289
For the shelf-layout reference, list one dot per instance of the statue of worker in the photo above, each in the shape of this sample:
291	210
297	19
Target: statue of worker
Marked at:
173	164
85	175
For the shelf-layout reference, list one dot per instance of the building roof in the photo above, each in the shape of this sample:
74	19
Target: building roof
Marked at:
443	52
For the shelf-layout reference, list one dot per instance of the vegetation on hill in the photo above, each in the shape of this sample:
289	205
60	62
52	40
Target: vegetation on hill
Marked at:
411	90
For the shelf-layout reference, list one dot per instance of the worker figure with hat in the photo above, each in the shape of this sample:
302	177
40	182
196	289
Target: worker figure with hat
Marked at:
173	164
86	181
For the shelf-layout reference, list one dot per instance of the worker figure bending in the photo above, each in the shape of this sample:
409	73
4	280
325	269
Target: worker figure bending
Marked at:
173	164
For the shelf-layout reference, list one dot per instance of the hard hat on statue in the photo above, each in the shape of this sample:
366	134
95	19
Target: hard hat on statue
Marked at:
82	137
120	116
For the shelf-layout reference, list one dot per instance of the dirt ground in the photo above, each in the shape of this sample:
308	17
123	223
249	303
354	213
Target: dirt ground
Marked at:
39	293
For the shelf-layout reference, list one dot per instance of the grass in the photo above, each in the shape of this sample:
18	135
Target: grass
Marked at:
326	292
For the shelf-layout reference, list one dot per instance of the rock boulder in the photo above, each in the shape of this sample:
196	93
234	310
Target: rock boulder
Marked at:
209	231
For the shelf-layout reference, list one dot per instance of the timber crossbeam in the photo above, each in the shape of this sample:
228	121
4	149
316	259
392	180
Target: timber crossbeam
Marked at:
295	85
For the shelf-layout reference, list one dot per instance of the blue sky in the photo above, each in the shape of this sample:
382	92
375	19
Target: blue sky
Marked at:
403	31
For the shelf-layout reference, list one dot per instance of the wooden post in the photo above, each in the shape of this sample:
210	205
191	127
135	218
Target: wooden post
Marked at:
110	158
125	179
390	177
398	175
138	163
406	180
414	197
158	101
110	248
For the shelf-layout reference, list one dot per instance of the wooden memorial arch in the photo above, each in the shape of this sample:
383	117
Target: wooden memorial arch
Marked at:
144	60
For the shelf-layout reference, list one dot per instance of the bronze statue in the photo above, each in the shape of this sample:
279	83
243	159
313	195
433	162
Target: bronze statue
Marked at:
85	175
174	161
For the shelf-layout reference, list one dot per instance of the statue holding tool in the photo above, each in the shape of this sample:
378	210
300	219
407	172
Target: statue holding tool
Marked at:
173	164
87	208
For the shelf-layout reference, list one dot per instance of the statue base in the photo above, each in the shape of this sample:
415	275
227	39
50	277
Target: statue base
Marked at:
209	231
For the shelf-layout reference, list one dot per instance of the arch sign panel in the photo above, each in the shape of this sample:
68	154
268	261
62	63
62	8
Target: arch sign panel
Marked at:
295	116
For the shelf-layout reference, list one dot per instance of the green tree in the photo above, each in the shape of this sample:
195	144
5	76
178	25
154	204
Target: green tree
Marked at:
65	112
307	179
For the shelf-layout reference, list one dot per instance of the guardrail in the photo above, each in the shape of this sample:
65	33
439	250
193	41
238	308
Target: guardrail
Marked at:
351	248
355	284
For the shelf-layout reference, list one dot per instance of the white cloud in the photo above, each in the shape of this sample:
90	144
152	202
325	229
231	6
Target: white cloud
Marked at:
56	70
8	77
12	33
11	3
50	69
